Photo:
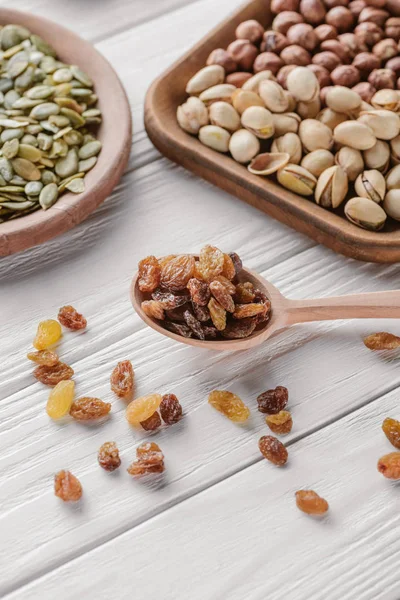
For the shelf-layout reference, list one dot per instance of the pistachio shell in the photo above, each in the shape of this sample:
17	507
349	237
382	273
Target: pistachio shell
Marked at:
258	120
253	83
332	187
351	161
309	110
372	185
391	204
317	161
355	135
297	179
274	96
215	137
315	135
268	163
244	146
221	92
224	115
378	157
393	178
394	149
302	84
342	99
242	99
205	78
365	213
291	144
384	123
286	123
386	99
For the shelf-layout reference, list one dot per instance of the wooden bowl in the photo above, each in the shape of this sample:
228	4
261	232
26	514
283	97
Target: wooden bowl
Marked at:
325	227
115	133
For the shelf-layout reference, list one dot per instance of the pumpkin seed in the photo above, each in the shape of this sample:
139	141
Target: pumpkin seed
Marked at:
26	169
62	75
45	141
73	138
86	165
48	196
42	46
77	186
43	111
16	205
90	149
39	92
29	139
63	184
10	148
74	117
69	165
33	188
81	76
48	177
6	169
29	152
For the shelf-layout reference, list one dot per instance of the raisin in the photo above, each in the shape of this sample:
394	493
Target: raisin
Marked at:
176	273
60	399
218	314
168	300
149	450
244	293
242	328
391	429
71	319
53	375
389	465
199	291
194	324
179	329
142	408
211	262
247	310
153	309
280	423
273	401
201	313
108	456
228	285
48	333
122	379
89	409
220	293
228	270
210	332
273	450
309	502
149	274
67	486
152	423
150	459
44	357
170	409
382	341
236	262
230	405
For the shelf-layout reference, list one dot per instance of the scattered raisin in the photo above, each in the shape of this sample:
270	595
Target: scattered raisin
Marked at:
199	291
142	408
389	465
179	329
153	309
44	357
176	272
194	324
236	262
244	293
210	331
48	333
53	375
382	341
176	314
273	401
201	313
151	423
273	450
122	379
222	296
228	270
168	300
309	502
218	314
60	399
230	405
71	319
108	456
247	310
149	450
170	409
391	429
89	409
149	274
150	459
67	486
280	423
242	328
211	262
228	285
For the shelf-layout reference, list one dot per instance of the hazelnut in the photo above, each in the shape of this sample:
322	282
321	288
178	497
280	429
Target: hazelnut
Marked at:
366	62
393	7
321	74
356	7
394	64
385	49
365	90
267	61
329	60
273	41
250	30
341	18
345	75
368	33
326	32
376	3
219	56
373	15
392	28
285	20
337	48
296	55
332	3
350	42
244	53
238	78
313	11
278	6
382	79
303	35
283	74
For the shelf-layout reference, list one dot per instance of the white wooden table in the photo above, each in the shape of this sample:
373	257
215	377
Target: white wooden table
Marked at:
224	524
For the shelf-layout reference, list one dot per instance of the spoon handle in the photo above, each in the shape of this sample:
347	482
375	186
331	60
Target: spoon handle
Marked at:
374	305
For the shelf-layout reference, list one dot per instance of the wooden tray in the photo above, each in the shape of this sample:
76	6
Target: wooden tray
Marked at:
115	134
325	227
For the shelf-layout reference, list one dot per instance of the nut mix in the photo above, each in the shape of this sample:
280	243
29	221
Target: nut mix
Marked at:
295	78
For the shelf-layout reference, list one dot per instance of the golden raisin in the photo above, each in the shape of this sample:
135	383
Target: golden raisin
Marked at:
199	291
237	263
149	274
67	486
70	318
228	269
230	405
170	409
273	450
150	459
48	333
48	358
60	399
248	310
153	309
89	409
309	502
244	293
391	429
211	262
194	324
151	423
382	341
218	314
222	296
108	456
176	273
389	465
53	375
228	285
273	401
142	408
122	379
280	423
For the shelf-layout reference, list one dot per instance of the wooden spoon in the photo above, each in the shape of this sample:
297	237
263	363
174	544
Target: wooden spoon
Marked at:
286	312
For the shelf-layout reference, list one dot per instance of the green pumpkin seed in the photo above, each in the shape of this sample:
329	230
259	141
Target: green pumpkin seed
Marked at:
62	89
26	169
17	180
2	180
11	123
6	84
69	165
33	188
48	64
62	75
91	112
64	182
39	92
73	138
34	129
43	111
42	46
81	93
47	162
48	196
24	103
22	82
17	68
90	149
10	148
17	205
6	169
12	189
49	127
81	76
59	148
68	103
29	152
62	132
45	141
48	177
30	140
59	120
86	165
75	118
77	186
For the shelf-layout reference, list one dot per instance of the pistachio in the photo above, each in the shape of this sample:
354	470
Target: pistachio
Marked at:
365	213
215	137
218	93
378	157
395	150
332	187
291	101
297	179
290	144
242	99
355	135
192	115
224	115
309	110
274	96
253	83
342	99
318	161
384	123
351	161
303	84
244	146
258	120
286	123
393	178
391	204
386	100
315	135
372	185
205	78
331	118
268	163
